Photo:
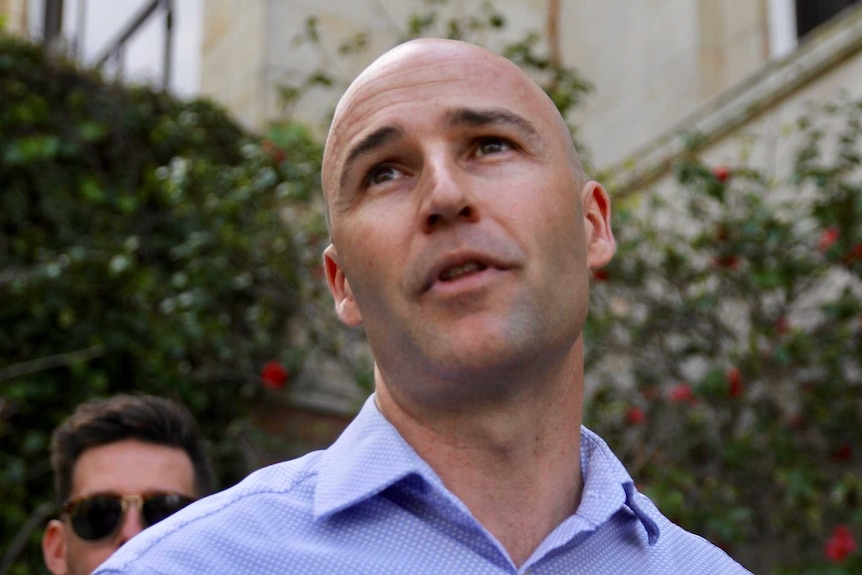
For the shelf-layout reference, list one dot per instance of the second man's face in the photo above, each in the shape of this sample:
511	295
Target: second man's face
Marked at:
127	467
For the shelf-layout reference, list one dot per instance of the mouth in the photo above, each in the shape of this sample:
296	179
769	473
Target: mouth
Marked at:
457	268
459	271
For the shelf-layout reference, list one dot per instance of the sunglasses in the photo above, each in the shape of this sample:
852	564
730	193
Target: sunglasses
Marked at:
99	516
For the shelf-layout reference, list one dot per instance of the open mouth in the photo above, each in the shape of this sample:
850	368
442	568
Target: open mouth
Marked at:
461	271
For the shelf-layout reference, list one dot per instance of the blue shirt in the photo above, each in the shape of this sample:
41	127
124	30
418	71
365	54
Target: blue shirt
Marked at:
370	504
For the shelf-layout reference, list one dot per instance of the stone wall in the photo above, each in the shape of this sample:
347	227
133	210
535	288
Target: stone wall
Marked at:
653	63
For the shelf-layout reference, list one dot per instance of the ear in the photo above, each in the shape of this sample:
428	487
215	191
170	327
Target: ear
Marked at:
54	547
339	287
601	244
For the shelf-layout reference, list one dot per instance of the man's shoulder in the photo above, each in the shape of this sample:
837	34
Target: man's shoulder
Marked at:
243	517
634	528
688	551
288	481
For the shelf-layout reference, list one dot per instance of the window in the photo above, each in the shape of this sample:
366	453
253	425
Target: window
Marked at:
812	13
791	20
782	28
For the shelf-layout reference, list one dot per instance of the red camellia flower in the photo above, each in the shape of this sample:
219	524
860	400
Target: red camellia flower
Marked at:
730	262
797	421
601	275
841	545
635	416
682	393
274	375
853	255
843	453
273	151
734	382
721	173
828	238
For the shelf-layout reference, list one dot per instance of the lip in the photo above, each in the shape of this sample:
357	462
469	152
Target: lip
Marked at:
486	261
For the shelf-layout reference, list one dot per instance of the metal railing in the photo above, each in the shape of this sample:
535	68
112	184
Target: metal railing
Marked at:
115	49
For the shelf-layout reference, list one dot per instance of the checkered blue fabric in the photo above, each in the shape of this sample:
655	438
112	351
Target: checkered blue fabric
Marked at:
370	504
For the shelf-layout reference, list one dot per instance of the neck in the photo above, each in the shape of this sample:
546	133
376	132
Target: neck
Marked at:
515	463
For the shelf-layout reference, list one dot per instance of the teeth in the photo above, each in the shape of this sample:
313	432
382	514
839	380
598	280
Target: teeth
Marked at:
460	270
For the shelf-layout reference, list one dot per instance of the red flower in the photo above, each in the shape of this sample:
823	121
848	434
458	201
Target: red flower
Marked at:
682	393
828	238
841	545
274	375
797	421
721	173
855	253
273	151
843	453
635	416
734	381
782	325
601	275
730	262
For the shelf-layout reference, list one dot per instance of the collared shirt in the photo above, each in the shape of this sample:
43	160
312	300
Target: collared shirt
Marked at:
370	504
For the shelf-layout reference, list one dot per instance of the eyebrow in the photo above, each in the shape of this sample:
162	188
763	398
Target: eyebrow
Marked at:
452	118
376	139
455	117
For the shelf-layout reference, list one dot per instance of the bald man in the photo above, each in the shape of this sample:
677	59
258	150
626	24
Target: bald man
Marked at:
464	232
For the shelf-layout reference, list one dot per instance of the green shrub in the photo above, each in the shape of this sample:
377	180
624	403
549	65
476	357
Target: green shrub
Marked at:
142	248
729	349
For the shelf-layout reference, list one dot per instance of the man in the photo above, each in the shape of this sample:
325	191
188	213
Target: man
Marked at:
120	465
463	237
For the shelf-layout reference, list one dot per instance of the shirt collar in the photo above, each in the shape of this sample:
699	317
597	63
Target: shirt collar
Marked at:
368	457
608	486
371	456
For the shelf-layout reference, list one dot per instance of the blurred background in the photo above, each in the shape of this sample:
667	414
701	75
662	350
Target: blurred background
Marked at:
162	229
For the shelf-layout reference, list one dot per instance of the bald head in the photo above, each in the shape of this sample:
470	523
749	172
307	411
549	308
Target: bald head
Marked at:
462	228
421	72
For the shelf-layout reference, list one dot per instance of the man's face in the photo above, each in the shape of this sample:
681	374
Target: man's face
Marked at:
127	467
457	218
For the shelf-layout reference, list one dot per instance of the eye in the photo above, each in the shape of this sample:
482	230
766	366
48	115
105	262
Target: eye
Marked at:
381	174
492	145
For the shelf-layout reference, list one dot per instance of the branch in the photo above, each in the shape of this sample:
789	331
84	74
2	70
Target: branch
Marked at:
9	275
552	28
50	362
36	518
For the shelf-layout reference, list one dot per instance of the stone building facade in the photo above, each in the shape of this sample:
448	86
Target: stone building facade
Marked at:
659	67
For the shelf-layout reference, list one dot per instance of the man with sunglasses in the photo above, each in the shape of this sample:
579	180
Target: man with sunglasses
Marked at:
120	465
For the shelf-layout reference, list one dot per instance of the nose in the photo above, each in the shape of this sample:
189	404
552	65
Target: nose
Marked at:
447	197
132	524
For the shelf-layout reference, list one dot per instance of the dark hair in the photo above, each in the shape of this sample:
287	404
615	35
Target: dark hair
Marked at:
143	417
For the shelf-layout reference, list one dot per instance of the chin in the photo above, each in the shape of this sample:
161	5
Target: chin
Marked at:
480	360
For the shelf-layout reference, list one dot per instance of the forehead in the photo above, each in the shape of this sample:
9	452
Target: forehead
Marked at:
419	84
423	78
132	467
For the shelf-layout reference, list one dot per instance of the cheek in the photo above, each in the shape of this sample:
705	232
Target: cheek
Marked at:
85	557
371	264
370	270
555	223
372	246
